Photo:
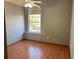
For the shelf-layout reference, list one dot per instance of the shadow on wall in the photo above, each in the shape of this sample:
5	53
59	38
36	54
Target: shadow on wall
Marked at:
56	19
50	3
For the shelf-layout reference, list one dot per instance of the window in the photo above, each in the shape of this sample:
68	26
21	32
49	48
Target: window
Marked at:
34	23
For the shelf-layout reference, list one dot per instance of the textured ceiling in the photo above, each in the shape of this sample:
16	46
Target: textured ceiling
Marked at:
45	2
18	2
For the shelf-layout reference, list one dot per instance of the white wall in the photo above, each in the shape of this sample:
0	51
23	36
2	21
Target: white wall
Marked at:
56	20
14	22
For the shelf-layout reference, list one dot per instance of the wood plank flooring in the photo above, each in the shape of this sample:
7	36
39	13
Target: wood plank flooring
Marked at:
27	49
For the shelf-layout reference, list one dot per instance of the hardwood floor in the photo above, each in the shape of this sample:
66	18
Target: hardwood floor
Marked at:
26	49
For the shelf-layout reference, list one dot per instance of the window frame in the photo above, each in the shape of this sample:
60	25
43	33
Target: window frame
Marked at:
34	22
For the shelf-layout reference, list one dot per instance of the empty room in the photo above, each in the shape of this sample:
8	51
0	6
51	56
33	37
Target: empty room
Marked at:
39	29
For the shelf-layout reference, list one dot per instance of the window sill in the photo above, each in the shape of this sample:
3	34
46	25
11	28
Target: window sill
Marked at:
34	32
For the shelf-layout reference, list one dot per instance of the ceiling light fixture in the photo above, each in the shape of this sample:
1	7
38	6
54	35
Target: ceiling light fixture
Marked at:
30	3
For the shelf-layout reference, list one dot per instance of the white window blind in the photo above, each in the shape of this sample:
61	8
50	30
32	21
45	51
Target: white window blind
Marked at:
34	22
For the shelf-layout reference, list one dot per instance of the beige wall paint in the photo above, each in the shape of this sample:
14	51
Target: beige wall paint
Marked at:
72	37
14	22
56	20
17	2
